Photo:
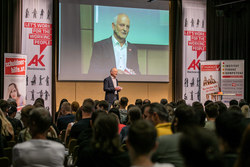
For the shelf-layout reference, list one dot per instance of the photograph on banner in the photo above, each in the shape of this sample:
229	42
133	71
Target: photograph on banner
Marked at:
210	80
232	80
15	78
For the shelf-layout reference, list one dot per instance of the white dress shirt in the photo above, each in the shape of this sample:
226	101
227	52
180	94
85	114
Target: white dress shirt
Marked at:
114	83
120	54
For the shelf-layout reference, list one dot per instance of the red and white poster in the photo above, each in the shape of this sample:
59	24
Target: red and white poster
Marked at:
232	80
209	80
194	47
15	78
37	45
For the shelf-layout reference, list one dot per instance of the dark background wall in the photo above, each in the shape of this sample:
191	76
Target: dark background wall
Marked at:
228	33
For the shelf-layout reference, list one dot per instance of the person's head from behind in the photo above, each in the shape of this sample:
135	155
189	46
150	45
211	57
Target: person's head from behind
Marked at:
207	102
242	102
88	101
120	26
245	111
66	108
116	112
144	109
233	102
184	117
25	114
229	128
212	110
164	101
39	122
12	111
146	101
87	110
181	102
113	72
141	139
61	102
103	105
234	108
199	148
4	105
105	134
138	102
157	114
123	102
134	114
116	104
13	91
200	113
75	105
39	102
222	107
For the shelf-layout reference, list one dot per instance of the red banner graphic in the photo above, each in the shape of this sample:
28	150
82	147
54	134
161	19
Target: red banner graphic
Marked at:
210	67
41	34
14	66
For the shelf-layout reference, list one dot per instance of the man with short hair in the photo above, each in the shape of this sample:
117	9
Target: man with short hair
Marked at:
115	51
66	118
142	143
122	110
211	112
39	151
111	88
104	105
158	115
84	123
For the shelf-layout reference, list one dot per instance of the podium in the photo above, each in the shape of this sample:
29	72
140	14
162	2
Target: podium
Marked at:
219	97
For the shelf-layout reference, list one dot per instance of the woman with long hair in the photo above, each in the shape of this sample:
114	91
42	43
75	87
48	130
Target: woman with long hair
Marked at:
7	129
13	93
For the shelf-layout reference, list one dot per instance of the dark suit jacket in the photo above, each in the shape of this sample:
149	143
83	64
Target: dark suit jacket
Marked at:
103	57
109	89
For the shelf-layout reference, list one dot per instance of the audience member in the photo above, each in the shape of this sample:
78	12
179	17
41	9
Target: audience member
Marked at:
243	159
138	102
168	150
104	149
7	129
200	113
181	102
164	101
4	106
233	102
58	113
211	112
66	117
117	113
104	105
146	101
24	135
122	110
116	104
229	129
39	102
207	102
199	148
145	108
16	124
158	115
222	107
170	110
234	108
84	123
134	114
74	106
242	102
39	151
142	143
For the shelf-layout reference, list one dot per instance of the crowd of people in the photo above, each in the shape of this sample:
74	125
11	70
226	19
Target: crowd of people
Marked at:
143	133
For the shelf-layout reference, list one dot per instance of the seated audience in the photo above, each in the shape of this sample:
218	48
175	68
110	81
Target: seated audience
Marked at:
207	102
66	117
103	105
164	102
144	110
24	134
233	102
84	123
170	110
134	114
117	113
181	102
243	159
158	115
104	149
16	124
122	109
168	150
199	148
222	107
229	129
39	151
74	107
146	101
116	104
138	102
7	130
211	113
142	143
200	113
4	106
58	113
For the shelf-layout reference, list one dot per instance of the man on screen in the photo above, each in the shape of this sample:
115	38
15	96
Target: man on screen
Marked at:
115	51
111	88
